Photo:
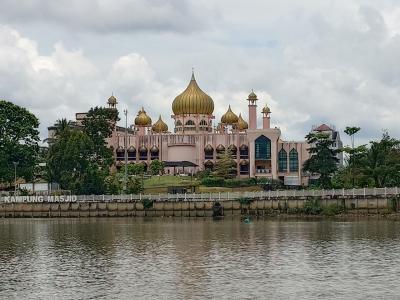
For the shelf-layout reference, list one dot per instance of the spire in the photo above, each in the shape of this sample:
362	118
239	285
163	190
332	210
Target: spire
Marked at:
193	75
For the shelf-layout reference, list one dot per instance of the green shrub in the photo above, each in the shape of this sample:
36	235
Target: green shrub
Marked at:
312	207
332	210
147	203
245	200
212	181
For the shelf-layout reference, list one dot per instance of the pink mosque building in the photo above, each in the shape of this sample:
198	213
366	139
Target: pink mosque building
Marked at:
194	144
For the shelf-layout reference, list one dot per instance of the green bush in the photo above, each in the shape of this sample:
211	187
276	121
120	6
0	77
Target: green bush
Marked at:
332	210
213	181
245	200
147	203
312	207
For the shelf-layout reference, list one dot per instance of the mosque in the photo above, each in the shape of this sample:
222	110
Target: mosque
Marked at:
194	144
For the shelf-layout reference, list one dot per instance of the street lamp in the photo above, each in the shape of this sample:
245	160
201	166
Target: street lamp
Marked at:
15	177
126	150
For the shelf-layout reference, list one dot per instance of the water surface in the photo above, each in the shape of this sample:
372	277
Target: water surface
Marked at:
125	258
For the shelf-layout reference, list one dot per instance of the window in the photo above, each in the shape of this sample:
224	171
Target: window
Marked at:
190	123
178	123
263	148
131	153
244	152
293	160
203	123
282	160
208	152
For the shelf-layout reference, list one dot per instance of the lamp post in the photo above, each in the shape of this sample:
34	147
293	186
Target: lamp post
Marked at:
15	177
126	150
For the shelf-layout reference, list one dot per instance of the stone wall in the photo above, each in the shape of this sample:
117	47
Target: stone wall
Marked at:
203	208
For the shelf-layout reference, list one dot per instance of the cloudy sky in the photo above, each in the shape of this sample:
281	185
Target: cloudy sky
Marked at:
312	61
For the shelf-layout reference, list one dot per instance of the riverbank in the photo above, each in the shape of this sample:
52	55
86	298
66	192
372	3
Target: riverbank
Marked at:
205	208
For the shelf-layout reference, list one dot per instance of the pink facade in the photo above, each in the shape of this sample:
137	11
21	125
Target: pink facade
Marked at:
257	152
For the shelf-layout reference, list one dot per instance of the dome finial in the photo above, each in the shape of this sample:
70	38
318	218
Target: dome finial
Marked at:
193	74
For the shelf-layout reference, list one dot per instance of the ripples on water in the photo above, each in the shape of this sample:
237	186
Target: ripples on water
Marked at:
198	259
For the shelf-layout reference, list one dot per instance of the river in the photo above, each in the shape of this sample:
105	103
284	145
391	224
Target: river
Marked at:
167	258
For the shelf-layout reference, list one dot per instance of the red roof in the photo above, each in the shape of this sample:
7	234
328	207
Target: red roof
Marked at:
323	127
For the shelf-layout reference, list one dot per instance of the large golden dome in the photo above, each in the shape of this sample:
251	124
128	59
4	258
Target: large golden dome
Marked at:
142	118
193	101
160	126
229	117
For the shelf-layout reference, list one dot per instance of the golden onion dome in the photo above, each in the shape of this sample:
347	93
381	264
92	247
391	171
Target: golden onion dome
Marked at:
112	100
229	117
193	101
242	124
252	96
142	118
160	126
266	110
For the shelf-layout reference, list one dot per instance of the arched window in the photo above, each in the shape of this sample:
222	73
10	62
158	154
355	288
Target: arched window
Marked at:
293	160
282	160
244	167
120	153
244	152
190	123
203	123
208	152
178	123
143	153
131	153
263	148
232	150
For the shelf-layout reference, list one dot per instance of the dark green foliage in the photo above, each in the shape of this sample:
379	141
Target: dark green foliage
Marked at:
79	159
135	169
323	160
225	167
245	200
19	138
213	181
134	185
312	207
147	203
156	167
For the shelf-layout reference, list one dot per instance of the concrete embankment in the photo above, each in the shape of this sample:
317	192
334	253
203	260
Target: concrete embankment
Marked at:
203	208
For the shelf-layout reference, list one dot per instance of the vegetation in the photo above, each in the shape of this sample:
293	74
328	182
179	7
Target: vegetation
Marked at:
79	159
323	160
225	167
156	167
19	138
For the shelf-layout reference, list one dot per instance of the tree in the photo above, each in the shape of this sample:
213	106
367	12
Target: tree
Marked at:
136	169
381	162
351	131
156	167
79	159
323	160
225	166
353	153
19	138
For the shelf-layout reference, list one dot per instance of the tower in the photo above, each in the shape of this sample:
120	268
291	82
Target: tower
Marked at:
266	112
112	102
252	110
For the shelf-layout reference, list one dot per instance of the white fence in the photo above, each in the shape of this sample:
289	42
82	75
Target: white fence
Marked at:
366	192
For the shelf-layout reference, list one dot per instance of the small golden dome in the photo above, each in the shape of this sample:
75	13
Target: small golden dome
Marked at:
266	110
252	96
242	124
112	100
142	119
154	149
160	126
229	117
193	101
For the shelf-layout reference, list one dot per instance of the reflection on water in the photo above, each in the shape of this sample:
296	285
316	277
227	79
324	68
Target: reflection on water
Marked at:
198	259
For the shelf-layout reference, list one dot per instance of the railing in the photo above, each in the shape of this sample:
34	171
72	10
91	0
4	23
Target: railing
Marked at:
366	192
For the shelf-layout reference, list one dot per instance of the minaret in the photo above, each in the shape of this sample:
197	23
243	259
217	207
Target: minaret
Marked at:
266	112
252	110
112	102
